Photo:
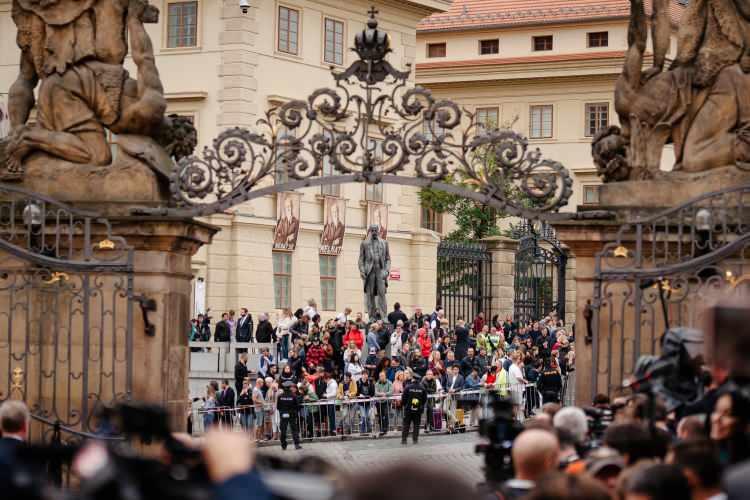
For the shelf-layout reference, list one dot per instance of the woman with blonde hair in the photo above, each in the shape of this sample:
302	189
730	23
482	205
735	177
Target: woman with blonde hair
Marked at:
435	363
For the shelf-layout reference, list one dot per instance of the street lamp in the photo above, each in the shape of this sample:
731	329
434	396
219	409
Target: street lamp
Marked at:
538	267
244	5
33	218
703	220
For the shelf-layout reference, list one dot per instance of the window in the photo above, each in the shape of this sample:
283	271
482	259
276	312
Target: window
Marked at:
597	117
436	49
590	195
428	132
432	220
328	170
374	192
489	47
487	118
334	42
182	24
598	39
282	279
283	157
328	282
541	122
541	42
288	30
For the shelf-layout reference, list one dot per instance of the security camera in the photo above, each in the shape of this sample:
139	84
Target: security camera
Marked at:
244	5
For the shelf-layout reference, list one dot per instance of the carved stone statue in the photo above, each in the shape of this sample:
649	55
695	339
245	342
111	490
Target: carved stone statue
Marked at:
701	104
374	269
74	51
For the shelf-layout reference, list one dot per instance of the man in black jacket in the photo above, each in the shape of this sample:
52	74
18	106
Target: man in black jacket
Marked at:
225	399
240	372
412	401
14	425
397	314
288	405
223	331
245	326
264	334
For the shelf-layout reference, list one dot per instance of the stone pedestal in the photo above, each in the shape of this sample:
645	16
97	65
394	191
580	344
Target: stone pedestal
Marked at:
163	251
585	239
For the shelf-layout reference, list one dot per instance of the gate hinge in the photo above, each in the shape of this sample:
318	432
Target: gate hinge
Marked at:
147	306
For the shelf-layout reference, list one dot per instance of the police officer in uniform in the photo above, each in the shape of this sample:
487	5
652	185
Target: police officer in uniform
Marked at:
288	405
412	401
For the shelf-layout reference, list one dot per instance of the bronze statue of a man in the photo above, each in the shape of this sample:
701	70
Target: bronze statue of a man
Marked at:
374	268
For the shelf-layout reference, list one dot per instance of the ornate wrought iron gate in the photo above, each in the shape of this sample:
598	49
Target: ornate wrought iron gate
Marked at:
661	271
539	277
66	310
464	280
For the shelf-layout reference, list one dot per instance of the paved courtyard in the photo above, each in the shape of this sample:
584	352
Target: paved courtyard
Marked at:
454	452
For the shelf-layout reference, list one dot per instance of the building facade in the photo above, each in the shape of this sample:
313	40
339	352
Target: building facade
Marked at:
546	68
224	68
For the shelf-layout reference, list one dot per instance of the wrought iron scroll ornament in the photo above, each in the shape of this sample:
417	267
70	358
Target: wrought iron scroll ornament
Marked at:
371	102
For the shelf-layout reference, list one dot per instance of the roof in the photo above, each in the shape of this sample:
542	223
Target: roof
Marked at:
479	14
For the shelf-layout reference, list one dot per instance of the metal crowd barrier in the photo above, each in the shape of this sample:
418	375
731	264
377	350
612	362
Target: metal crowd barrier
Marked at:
443	413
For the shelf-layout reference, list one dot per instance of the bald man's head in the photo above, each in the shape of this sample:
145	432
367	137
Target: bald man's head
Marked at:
535	453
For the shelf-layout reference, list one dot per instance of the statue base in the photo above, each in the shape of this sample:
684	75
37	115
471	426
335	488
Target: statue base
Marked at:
137	177
668	189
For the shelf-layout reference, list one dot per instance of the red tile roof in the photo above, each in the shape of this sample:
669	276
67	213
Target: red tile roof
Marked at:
477	14
518	60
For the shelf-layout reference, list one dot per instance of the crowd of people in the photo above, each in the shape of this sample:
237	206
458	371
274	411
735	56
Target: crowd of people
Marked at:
351	375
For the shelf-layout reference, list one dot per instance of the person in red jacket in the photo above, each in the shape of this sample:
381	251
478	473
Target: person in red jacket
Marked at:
354	335
315	354
425	342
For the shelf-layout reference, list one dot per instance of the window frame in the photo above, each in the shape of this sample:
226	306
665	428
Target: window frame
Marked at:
278	48
379	187
328	278
434	220
434	44
282	176
285	274
595	188
497	43
588	39
198	27
587	121
485	109
335	20
327	169
542	37
551	135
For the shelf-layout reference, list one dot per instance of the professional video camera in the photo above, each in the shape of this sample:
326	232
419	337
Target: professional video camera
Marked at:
114	469
501	430
675	376
599	419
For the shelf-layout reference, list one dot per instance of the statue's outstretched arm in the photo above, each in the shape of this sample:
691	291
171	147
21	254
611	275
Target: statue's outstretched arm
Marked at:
21	94
637	38
661	31
146	111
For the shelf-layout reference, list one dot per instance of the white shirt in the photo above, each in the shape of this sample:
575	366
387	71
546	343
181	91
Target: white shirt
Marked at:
395	343
331	389
310	312
515	376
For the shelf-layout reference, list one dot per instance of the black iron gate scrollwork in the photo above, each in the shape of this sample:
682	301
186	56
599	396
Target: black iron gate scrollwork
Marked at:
661	271
464	280
539	275
66	311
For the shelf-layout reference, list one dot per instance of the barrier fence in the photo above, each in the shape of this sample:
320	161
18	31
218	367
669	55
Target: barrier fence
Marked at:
445	412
